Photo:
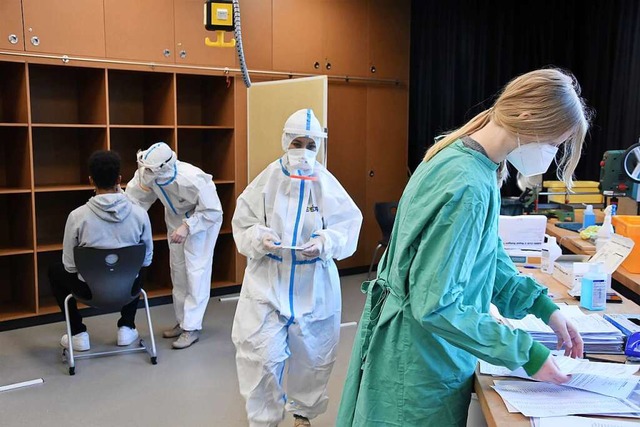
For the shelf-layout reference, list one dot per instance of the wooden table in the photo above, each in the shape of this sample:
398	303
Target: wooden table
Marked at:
493	408
572	241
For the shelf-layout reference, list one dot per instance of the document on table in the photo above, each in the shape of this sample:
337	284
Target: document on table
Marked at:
579	422
609	379
536	399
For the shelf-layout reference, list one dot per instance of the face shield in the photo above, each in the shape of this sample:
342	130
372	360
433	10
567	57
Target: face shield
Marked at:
157	162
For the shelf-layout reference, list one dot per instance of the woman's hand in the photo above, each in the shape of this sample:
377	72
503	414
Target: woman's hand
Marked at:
568	335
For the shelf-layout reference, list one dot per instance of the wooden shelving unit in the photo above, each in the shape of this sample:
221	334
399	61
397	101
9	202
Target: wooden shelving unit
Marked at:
53	117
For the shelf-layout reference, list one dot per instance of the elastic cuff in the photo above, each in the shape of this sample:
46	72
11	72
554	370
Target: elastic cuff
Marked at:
537	356
543	308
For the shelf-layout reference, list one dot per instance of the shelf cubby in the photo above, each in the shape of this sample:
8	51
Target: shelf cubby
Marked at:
17	287
52	210
67	95
228	202
224	262
60	155
204	100
158	278
46	301
15	160
158	224
141	98
210	150
127	142
13	93
16	224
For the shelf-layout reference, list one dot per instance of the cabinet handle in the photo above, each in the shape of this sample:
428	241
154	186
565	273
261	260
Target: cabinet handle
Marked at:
35	40
316	65
373	69
166	53
13	39
371	173
183	54
328	65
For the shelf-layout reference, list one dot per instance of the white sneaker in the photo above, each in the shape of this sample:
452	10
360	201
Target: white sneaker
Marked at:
80	341
126	336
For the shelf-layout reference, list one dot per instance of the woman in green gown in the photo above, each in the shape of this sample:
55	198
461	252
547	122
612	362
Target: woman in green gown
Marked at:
426	318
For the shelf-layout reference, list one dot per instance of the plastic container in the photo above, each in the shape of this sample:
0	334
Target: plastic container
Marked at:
629	226
589	217
579	187
606	230
550	253
593	292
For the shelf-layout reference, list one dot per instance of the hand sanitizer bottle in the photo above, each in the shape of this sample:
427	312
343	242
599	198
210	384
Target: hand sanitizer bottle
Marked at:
593	294
606	230
589	217
550	253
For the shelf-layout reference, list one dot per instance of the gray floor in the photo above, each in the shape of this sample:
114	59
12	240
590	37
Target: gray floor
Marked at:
192	387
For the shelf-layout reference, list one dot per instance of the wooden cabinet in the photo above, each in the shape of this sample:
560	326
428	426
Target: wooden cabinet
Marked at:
71	27
257	33
11	33
320	36
190	35
141	30
389	32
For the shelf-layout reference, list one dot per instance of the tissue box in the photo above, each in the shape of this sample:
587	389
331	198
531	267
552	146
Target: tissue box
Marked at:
569	269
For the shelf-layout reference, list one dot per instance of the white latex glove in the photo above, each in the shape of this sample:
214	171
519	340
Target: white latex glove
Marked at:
568	335
313	248
180	234
269	243
550	373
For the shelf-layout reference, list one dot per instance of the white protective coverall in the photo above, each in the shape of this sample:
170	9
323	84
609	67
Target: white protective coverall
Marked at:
189	196
289	307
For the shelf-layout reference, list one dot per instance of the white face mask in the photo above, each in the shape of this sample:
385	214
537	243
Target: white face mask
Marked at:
301	158
533	158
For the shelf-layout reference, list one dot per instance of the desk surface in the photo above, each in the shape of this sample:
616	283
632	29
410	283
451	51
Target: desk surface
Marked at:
493	407
572	241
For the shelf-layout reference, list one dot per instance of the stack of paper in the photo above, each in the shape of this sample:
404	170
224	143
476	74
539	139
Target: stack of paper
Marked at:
599	336
579	422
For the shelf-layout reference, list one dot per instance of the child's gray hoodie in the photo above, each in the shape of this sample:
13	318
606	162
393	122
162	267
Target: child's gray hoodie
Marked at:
106	221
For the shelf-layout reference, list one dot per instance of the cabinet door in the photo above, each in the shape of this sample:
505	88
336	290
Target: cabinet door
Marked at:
140	30
297	35
347	151
389	35
190	35
345	40
387	146
257	19
11	35
73	27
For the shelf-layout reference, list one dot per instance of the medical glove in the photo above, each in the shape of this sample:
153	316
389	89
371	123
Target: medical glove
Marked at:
549	372
567	333
270	243
180	234
313	248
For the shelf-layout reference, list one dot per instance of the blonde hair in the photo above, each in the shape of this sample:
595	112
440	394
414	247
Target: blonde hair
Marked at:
552	99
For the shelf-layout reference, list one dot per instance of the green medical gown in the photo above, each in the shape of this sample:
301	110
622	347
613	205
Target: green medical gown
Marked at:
426	319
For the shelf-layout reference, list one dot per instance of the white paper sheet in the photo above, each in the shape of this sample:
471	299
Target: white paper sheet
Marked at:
580	422
534	399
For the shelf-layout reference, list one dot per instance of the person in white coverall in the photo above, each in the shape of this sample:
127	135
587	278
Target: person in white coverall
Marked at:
193	215
290	223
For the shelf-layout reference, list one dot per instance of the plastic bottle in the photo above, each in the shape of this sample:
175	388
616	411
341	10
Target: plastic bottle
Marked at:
550	253
606	231
593	293
589	217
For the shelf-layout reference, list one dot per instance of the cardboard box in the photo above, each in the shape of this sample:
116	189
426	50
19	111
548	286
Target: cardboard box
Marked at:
565	268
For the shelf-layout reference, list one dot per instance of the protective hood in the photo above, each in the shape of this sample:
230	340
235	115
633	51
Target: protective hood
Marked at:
303	123
114	207
156	163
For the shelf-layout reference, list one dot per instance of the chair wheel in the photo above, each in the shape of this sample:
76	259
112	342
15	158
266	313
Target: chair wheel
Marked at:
154	360
72	370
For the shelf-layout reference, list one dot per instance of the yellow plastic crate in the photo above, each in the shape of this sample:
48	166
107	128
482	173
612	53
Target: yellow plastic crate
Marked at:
579	187
629	226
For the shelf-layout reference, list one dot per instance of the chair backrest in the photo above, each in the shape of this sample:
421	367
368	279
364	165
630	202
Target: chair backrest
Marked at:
109	274
385	213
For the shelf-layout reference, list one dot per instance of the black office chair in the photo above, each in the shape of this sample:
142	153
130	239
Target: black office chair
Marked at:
109	274
385	213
